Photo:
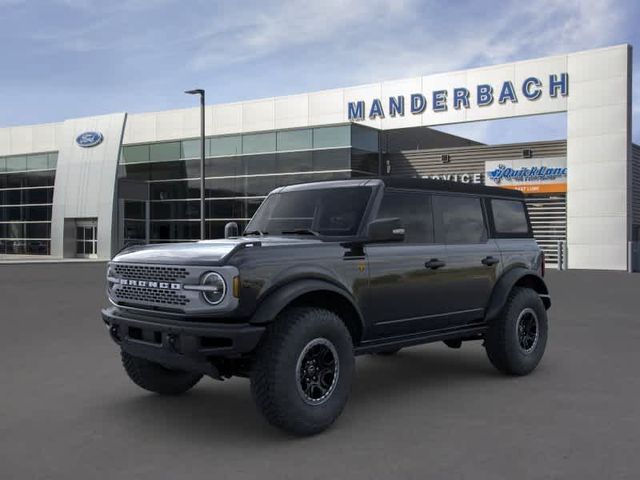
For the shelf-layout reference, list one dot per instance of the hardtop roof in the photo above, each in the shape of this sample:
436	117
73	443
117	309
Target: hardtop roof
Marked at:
410	183
415	183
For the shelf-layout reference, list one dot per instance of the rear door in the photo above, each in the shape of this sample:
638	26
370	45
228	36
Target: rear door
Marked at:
473	259
405	295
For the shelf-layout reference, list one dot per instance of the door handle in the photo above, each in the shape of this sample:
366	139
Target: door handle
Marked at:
489	261
434	264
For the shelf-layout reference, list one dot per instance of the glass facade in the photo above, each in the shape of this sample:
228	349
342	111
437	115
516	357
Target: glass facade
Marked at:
26	197
239	172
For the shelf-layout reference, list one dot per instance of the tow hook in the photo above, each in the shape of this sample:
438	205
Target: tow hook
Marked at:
115	334
172	341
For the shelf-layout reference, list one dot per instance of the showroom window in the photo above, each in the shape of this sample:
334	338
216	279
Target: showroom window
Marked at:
26	198
294	139
240	171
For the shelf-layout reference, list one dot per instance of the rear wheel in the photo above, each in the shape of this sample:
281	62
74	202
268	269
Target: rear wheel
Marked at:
157	378
302	374
517	339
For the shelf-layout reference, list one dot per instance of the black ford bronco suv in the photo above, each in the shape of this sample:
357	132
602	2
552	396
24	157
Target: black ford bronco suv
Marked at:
326	271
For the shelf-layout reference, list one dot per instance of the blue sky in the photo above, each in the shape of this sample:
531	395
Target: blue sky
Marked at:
69	58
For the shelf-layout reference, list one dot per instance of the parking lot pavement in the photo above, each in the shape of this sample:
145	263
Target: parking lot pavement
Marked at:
67	410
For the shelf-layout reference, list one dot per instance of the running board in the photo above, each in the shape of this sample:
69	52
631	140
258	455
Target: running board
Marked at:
420	338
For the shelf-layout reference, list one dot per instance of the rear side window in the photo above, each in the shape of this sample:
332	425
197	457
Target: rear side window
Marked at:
461	219
414	211
509	217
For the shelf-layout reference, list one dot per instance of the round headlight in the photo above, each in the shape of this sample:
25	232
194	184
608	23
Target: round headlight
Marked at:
216	288
110	275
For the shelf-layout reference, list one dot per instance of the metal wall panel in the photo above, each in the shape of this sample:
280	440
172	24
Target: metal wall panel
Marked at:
467	159
548	212
635	185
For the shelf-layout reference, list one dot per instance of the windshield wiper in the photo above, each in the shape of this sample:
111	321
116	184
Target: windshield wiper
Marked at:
301	231
255	232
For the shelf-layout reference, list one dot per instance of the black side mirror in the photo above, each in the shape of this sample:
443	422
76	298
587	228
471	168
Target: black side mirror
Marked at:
385	230
231	230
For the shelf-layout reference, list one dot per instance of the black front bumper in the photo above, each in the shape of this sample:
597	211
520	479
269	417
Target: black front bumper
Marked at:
189	346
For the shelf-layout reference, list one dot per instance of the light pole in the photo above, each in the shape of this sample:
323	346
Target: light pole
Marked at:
200	91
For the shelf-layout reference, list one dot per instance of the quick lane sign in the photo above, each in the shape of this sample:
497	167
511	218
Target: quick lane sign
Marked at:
543	175
531	89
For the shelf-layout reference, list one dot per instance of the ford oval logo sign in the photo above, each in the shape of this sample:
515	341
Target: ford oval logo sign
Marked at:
89	139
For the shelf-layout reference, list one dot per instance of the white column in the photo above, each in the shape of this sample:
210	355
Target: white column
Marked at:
599	158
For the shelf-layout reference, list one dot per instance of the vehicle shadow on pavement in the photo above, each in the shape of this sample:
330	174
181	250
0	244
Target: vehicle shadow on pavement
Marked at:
214	410
419	369
211	410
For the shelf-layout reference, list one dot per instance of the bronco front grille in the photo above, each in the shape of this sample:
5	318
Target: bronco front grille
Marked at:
157	273
130	293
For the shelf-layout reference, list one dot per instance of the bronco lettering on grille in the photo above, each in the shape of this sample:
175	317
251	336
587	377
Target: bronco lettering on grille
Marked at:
151	284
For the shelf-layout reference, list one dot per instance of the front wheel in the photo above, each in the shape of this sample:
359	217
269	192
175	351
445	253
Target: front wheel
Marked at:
302	373
516	340
157	378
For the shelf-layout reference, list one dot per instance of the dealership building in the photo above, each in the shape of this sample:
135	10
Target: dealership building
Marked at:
87	187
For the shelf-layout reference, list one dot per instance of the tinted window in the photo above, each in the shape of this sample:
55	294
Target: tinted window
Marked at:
294	162
461	219
328	211
338	159
328	137
259	142
38	162
17	163
294	139
413	210
135	154
219	146
191	148
509	216
164	151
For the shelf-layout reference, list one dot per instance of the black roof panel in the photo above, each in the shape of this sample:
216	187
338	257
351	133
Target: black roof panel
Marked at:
412	183
448	186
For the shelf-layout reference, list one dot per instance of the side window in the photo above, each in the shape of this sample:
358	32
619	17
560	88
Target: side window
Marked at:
461	219
414	211
509	217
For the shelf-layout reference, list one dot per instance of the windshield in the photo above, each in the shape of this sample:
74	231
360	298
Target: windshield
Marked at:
320	211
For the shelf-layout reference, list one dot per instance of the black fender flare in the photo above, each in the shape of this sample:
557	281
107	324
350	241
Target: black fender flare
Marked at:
518	276
282	296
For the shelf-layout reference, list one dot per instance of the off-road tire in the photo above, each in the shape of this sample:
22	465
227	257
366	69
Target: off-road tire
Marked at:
274	378
156	378
502	342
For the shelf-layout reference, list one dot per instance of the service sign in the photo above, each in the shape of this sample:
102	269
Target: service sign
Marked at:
529	175
476	178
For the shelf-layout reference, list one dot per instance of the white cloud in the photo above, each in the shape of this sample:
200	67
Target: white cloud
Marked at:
112	6
520	30
383	37
273	27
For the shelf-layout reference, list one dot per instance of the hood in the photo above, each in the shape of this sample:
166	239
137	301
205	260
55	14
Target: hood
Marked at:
209	252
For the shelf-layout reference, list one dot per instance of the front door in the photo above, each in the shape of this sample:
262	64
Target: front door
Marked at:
405	294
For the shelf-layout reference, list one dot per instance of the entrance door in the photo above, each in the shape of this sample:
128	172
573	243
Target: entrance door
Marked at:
87	239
